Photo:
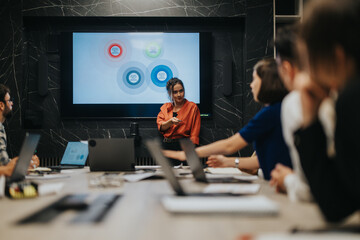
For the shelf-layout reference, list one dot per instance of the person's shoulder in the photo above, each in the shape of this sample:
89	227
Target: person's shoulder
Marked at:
166	106
190	104
292	97
269	112
274	107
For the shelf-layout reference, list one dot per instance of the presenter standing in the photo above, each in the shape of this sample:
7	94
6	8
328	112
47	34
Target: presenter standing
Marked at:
178	119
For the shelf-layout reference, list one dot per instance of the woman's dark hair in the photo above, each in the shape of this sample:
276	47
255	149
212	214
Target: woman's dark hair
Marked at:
171	83
331	23
3	91
272	88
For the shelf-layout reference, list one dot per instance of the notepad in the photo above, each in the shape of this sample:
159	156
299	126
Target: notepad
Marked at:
248	205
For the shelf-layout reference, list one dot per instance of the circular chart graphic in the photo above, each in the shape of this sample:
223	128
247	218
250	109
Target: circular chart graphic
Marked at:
160	75
153	50
113	52
161	71
132	78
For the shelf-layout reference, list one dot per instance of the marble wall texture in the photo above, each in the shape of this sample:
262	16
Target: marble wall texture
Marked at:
27	27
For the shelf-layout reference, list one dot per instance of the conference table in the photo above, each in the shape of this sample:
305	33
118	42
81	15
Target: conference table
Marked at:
139	214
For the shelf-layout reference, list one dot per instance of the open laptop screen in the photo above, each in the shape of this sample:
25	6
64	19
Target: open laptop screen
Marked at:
27	150
76	153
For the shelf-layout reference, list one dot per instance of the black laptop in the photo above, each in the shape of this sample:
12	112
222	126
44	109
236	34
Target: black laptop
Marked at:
27	150
112	154
75	156
154	147
197	169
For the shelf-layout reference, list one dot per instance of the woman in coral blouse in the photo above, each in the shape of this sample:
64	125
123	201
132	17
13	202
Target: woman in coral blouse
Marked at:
179	118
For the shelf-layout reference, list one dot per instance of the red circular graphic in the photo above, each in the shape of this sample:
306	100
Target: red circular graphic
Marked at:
115	55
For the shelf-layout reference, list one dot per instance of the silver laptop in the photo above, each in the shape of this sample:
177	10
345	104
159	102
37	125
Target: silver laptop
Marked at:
111	154
27	150
154	147
197	168
75	156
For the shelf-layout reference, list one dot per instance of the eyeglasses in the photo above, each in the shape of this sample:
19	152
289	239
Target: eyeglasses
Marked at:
11	100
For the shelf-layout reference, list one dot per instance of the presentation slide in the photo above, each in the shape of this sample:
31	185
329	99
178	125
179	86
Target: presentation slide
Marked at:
133	68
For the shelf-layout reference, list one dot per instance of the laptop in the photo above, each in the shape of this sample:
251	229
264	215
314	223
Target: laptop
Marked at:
27	150
154	147
197	168
75	156
112	154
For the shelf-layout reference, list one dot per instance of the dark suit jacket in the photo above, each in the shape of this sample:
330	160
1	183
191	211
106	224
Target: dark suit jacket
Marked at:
335	182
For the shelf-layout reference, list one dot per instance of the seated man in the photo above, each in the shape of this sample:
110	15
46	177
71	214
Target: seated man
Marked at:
7	164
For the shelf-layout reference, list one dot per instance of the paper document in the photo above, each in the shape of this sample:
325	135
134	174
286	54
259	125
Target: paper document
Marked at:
224	170
49	188
247	177
138	176
242	188
46	177
249	205
140	167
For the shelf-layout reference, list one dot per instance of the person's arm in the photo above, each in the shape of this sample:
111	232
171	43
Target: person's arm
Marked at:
225	146
9	168
167	124
195	126
245	163
4	157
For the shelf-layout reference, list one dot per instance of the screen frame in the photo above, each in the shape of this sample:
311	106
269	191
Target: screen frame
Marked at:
128	111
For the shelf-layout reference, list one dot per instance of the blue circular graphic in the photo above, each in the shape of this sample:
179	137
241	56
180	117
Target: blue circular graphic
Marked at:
160	75
133	77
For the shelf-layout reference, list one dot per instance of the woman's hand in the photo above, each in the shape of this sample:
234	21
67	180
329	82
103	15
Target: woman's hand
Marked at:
166	125
179	155
175	120
278	176
311	97
219	161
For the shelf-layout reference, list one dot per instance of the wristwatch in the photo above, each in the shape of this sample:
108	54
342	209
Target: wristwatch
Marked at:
237	162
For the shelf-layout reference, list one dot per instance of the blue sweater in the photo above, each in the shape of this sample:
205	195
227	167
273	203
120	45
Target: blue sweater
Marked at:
264	131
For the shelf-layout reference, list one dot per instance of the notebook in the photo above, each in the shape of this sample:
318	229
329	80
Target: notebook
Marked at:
154	147
112	154
27	150
197	168
75	156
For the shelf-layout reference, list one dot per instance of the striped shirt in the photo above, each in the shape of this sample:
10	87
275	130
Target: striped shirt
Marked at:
4	157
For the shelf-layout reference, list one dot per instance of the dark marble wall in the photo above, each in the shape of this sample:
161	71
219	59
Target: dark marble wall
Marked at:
22	43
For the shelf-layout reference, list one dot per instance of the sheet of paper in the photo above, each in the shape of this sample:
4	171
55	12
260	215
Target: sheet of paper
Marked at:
49	188
242	188
147	167
137	177
246	177
248	205
224	170
46	177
